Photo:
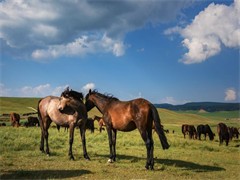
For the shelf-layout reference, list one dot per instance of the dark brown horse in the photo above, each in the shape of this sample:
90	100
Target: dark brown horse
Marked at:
190	130
127	116
233	132
223	133
205	130
67	111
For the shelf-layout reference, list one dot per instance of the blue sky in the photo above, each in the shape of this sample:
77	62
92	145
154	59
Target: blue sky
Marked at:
165	51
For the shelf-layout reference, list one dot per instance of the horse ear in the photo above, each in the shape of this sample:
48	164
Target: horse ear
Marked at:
67	89
90	91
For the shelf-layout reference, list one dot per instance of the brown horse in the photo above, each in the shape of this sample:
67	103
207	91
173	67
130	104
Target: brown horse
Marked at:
190	130
127	116
51	109
15	119
100	122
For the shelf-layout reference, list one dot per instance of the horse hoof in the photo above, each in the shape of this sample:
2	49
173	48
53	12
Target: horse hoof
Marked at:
71	158
110	161
87	157
42	150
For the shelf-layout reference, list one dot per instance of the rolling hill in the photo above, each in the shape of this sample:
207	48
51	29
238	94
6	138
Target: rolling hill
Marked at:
207	106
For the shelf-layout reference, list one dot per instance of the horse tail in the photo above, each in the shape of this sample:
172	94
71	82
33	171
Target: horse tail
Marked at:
159	128
33	109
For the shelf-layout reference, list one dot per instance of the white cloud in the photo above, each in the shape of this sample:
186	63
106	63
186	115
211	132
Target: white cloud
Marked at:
168	100
38	91
58	90
49	29
230	94
172	100
173	30
141	50
216	25
82	46
87	87
29	91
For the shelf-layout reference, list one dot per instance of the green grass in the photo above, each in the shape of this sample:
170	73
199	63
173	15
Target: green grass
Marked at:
20	157
18	105
186	159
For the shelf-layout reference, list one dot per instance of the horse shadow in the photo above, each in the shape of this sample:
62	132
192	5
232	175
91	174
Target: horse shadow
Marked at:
184	165
43	174
191	166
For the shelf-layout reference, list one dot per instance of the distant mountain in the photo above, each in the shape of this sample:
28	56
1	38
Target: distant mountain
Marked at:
207	106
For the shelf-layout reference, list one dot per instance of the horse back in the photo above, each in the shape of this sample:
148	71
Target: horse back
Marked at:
125	115
201	129
48	110
208	129
44	104
222	128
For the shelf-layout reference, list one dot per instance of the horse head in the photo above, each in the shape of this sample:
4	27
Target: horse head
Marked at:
63	103
70	98
89	102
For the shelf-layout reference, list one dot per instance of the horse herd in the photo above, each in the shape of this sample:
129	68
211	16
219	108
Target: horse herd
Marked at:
70	111
225	133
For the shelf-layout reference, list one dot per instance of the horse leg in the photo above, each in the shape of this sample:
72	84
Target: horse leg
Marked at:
220	140
151	144
42	141
144	135
42	137
82	133
71	137
110	139
47	124
114	138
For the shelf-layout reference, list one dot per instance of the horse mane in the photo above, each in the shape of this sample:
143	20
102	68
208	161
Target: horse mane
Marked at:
74	94
107	96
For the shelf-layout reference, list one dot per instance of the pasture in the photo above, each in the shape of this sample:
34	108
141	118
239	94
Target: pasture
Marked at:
20	157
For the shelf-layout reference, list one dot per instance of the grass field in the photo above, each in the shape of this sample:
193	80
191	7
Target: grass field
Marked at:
21	158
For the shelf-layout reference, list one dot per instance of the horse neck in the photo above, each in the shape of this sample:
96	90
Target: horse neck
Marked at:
100	102
75	105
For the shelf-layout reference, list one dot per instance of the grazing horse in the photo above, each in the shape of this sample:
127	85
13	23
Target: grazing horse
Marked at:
233	132
15	119
32	121
127	116
190	130
205	129
223	133
100	122
67	111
